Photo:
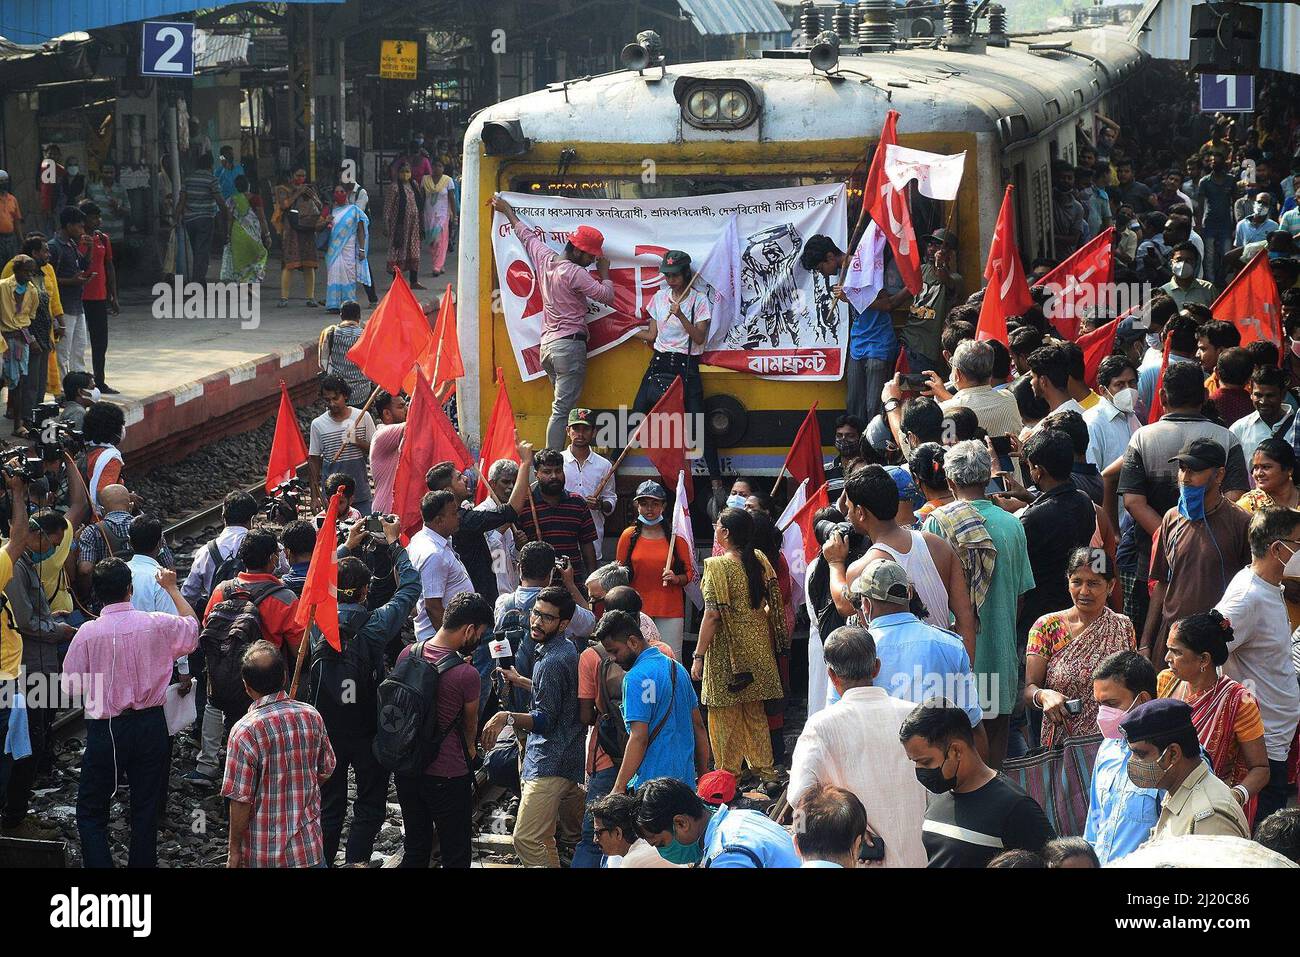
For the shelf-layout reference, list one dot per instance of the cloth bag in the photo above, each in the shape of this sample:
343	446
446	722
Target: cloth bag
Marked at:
1060	780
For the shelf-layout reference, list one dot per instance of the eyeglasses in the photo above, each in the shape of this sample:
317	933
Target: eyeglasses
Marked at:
544	616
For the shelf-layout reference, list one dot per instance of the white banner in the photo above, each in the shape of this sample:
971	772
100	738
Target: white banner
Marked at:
786	325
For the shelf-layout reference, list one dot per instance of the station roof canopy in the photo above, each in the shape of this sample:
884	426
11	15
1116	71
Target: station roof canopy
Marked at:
731	17
1163	29
35	21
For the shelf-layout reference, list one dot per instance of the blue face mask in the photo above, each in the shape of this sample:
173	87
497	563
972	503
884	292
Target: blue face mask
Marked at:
682	854
650	521
1191	502
21	289
735	501
38	557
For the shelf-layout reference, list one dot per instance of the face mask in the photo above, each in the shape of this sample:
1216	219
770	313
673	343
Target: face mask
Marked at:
93	394
683	854
847	446
932	779
1292	567
74	170
419	141
1260	209
650	521
44	556
340	197
1125	400
21	288
1146	774
735	501
1183	270
1191	502
1108	720
1153	341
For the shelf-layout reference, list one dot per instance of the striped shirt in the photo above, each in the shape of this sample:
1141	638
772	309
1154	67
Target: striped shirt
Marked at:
276	758
566	526
327	435
202	193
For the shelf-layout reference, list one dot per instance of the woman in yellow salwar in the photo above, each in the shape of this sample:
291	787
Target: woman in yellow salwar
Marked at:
742	632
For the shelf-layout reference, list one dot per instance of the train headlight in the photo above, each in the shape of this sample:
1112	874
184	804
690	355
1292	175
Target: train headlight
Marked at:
707	104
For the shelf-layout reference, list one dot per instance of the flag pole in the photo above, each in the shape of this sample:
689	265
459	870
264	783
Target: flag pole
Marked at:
302	653
776	486
352	432
861	226
614	468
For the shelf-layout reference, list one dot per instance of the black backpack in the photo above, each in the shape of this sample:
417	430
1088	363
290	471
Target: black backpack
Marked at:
611	731
230	628
117	542
223	570
408	738
344	683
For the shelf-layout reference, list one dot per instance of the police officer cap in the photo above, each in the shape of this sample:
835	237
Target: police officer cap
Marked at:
1158	718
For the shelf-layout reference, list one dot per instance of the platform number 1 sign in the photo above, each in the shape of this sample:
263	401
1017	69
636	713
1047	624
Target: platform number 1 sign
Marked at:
167	49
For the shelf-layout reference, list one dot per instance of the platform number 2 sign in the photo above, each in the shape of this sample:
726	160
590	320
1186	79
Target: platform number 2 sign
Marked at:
167	49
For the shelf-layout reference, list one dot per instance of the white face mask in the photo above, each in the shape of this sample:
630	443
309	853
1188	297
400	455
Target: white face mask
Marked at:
1292	567
74	170
1261	209
1182	270
1125	400
1153	341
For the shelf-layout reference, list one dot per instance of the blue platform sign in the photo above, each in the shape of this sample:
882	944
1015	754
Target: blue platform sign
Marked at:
167	49
1227	93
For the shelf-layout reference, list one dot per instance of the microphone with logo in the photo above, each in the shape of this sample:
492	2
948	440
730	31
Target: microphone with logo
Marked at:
502	647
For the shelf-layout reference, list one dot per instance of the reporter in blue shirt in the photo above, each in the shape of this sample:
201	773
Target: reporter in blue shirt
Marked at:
1120	814
832	827
671	815
666	736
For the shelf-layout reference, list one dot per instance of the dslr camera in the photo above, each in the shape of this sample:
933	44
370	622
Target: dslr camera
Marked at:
282	505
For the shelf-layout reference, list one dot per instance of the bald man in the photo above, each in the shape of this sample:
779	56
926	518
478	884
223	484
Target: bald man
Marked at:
108	538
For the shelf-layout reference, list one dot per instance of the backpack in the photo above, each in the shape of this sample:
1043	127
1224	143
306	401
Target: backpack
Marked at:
116	540
343	683
611	730
407	738
223	570
233	625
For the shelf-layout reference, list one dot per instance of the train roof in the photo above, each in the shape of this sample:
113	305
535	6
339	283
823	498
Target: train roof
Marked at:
1016	92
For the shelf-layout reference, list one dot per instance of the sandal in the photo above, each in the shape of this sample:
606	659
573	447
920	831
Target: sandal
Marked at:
282	304
312	304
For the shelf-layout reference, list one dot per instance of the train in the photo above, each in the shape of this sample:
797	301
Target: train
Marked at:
792	117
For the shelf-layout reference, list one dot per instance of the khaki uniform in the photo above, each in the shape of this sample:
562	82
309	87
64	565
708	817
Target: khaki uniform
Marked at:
1202	804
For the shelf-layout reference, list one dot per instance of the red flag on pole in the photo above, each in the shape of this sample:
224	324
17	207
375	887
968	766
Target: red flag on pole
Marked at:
1096	346
1080	280
394	337
498	439
804	519
429	439
1007	293
440	361
319	603
662	434
804	460
1157	403
889	209
288	451
1251	303
901	365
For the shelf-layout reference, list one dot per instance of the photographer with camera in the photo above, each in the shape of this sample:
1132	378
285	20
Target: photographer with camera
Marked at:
79	394
110	537
42	633
342	687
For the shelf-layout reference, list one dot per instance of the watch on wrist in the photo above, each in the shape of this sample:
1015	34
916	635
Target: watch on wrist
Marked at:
891	405
510	719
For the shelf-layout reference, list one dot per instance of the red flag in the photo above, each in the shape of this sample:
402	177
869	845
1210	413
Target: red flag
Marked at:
498	439
394	337
288	451
1251	303
320	602
1157	403
1096	346
1006	294
440	361
1082	278
804	519
804	460
662	434
889	209
429	439
901	365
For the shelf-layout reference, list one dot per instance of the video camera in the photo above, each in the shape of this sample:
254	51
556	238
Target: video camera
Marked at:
19	461
282	505
374	524
53	435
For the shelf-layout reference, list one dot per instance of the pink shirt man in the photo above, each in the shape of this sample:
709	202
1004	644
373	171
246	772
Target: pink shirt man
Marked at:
566	287
123	659
384	449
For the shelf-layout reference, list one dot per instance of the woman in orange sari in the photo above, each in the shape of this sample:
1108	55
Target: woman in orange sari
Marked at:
1225	714
1065	646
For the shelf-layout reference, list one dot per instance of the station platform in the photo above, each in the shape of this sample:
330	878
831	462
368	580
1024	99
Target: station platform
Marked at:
185	382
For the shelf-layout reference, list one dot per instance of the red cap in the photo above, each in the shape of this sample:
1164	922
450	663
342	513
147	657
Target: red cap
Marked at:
589	240
717	787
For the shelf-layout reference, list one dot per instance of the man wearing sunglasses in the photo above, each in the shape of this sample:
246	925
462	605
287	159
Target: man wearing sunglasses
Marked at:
552	796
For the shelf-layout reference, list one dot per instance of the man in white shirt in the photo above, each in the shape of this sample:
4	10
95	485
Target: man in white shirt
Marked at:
145	534
585	470
502	542
1267	389
854	744
1259	653
1112	422
830	828
442	576
1049	374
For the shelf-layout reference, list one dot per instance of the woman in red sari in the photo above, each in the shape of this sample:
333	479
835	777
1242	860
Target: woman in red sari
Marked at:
1225	714
1065	646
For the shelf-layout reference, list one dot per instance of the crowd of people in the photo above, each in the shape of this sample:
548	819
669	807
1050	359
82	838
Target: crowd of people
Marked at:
1016	565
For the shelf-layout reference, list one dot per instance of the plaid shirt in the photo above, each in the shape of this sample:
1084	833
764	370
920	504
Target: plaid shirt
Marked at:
92	546
276	758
